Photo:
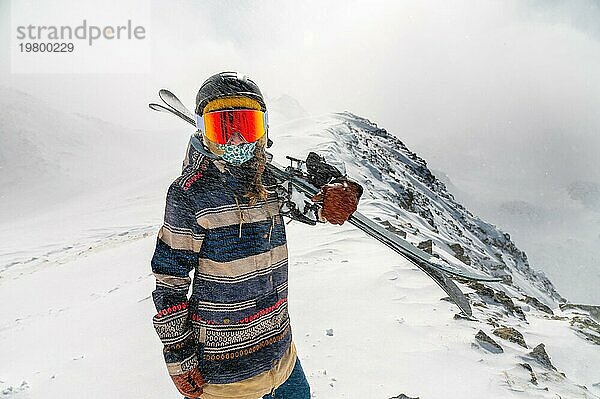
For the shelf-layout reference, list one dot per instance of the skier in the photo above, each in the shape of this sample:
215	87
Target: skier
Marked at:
231	338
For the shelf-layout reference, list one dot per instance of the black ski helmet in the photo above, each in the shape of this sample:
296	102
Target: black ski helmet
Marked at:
227	84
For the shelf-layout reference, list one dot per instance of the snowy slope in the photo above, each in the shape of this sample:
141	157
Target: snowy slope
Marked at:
78	324
406	196
48	155
64	175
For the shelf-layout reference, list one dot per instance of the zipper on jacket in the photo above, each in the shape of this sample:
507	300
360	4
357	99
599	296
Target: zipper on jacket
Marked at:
272	383
272	217
271	228
241	215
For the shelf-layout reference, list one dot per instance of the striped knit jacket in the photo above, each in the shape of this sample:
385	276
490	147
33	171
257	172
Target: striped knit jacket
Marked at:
235	324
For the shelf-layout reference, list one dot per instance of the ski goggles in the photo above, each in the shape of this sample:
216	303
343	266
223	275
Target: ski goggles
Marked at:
220	126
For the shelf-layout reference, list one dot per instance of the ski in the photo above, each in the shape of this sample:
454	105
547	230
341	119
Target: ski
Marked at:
173	102
449	287
169	110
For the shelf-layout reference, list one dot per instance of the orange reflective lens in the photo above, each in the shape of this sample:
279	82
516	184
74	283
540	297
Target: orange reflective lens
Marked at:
234	126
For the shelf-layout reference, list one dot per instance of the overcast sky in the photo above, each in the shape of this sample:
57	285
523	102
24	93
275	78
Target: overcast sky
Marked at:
448	77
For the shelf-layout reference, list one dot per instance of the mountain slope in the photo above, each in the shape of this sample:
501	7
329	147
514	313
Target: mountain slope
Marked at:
48	155
403	194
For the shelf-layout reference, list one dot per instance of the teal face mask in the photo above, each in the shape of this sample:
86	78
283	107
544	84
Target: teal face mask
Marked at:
237	154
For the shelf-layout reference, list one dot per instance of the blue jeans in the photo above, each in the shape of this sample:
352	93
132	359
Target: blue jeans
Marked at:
295	387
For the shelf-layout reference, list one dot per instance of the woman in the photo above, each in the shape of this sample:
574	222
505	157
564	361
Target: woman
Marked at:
232	337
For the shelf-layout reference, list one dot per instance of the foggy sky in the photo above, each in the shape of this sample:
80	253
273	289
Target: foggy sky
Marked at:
460	82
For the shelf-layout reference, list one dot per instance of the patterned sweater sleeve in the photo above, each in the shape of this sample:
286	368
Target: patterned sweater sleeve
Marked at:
176	254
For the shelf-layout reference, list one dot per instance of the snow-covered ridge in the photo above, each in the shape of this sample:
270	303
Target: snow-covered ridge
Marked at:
403	194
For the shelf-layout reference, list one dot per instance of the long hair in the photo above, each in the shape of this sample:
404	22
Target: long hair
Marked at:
256	190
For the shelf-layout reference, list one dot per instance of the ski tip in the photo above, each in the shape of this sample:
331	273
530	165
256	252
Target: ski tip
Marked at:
162	93
158	107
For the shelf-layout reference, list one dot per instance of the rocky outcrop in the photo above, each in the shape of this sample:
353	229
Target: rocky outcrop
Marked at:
538	305
426	246
528	367
487	343
398	180
510	334
459	253
540	355
499	298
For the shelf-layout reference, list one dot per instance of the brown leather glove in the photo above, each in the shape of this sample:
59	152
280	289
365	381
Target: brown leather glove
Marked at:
340	200
190	383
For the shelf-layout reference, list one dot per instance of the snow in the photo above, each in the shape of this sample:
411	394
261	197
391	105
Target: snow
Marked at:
87	329
76	320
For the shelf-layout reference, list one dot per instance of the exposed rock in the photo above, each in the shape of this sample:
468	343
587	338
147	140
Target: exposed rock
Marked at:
487	343
508	303
497	297
592	310
538	305
13	390
584	319
426	246
511	334
540	355
462	316
390	227
528	367
386	159
459	253
493	322
587	327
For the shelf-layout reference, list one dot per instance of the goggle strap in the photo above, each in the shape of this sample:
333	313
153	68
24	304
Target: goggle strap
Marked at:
200	123
197	144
